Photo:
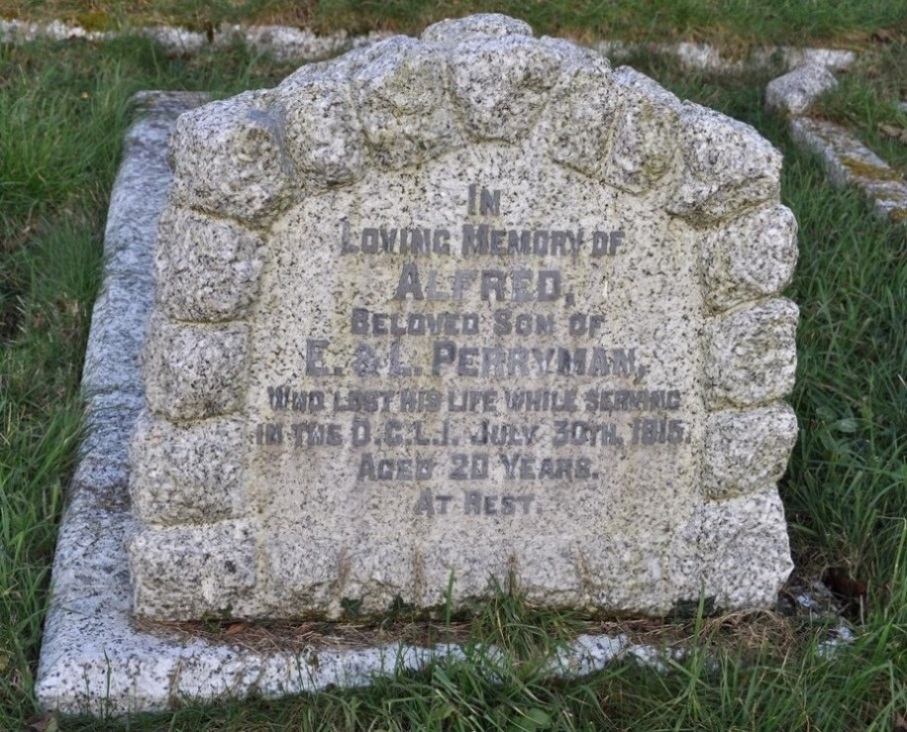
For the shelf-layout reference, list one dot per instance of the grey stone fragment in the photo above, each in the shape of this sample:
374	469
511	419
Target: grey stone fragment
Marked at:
849	162
283	43
404	108
179	41
752	355
228	159
746	451
187	572
796	91
728	166
186	474
501	85
579	123
322	130
483	25
835	59
742	551
642	152
227	255
706	56
193	372
750	257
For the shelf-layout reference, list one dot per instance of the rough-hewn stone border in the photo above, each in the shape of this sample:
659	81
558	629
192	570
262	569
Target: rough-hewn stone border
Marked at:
323	126
94	658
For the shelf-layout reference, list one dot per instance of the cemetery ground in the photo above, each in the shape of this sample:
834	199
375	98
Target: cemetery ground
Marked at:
63	111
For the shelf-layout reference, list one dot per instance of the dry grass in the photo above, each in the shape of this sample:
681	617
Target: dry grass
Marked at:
748	634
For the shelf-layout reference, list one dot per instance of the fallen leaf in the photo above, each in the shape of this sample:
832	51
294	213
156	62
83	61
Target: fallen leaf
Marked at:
45	723
235	628
896	133
842	584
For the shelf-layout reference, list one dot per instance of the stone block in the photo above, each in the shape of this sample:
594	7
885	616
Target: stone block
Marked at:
751	257
794	93
752	354
194	371
744	550
228	254
500	84
228	159
579	123
404	108
747	450
728	166
187	474
323	133
194	572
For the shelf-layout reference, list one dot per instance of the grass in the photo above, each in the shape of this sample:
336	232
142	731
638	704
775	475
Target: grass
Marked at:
62	115
867	99
732	22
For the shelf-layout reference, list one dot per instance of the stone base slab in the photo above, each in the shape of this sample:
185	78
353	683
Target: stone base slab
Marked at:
95	659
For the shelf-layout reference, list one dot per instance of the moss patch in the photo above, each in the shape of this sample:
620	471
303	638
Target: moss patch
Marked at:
862	169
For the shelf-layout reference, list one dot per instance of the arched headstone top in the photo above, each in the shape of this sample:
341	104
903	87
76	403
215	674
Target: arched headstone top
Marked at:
404	101
458	306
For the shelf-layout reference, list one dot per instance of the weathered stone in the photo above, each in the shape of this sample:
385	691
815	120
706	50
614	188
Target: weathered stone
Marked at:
741	544
752	354
110	357
643	149
487	25
501	84
497	311
795	92
193	371
227	254
849	162
187	474
228	159
728	166
403	106
747	451
751	257
322	132
579	123
194	571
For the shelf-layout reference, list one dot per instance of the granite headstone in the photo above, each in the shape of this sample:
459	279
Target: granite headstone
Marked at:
463	307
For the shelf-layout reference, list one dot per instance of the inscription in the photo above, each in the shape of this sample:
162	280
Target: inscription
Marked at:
285	398
522	325
473	503
495	285
479	240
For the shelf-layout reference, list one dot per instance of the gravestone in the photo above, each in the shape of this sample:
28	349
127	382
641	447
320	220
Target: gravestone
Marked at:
464	307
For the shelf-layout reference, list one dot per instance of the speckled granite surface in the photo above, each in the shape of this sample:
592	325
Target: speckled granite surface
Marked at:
95	659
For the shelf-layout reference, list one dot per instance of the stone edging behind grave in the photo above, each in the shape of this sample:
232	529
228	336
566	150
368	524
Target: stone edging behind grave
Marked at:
846	160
